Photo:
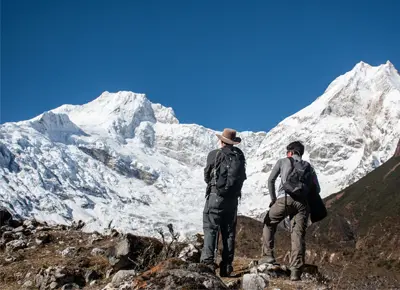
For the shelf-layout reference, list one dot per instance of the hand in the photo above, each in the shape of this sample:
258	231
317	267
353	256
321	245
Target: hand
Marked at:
272	203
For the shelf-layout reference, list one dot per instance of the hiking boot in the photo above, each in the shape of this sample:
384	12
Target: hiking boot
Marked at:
268	259
225	270
211	266
295	275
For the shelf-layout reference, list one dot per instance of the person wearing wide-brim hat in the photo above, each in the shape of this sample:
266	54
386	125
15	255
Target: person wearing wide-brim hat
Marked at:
229	137
224	174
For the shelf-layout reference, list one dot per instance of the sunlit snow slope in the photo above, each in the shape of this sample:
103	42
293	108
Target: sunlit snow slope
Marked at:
121	161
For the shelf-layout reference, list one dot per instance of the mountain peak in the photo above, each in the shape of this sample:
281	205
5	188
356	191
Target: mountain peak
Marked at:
388	63
361	65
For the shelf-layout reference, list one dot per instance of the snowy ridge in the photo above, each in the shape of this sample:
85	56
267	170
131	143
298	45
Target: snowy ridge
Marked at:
124	162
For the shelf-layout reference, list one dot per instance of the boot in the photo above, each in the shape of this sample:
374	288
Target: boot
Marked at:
295	275
211	266
225	270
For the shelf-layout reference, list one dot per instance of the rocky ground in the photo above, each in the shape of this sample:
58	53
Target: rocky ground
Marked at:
37	256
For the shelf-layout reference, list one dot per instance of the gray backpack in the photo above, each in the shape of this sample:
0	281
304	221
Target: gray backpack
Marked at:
299	180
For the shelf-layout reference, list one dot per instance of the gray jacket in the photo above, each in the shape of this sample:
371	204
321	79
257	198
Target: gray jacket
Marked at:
283	167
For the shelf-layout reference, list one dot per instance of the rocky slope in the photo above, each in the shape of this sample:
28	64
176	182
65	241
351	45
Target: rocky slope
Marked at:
123	162
39	256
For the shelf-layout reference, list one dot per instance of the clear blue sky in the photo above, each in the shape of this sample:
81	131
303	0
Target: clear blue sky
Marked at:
240	64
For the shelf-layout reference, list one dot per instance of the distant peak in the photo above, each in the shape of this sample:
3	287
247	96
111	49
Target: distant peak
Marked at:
388	63
361	66
121	95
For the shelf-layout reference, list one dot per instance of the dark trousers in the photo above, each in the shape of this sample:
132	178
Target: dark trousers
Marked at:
219	215
298	212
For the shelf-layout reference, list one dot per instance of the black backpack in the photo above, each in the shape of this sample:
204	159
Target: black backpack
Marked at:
229	171
299	180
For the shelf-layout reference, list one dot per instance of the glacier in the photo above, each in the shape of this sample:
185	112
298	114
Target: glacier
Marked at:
123	162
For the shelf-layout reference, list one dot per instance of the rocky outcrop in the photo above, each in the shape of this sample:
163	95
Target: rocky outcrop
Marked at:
5	216
177	274
397	152
122	166
7	159
126	253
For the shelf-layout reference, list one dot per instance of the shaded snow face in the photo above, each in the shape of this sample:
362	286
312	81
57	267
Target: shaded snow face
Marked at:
121	161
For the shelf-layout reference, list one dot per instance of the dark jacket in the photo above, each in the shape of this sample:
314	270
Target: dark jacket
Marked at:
211	163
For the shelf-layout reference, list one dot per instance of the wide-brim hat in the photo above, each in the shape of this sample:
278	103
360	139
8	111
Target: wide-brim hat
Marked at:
229	137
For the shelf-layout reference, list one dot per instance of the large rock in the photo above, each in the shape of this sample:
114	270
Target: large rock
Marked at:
272	270
134	252
59	276
15	245
69	252
97	252
5	216
190	253
255	281
123	276
177	274
43	238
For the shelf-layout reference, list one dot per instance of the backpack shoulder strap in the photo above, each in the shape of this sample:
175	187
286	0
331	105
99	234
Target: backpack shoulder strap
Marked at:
216	157
291	162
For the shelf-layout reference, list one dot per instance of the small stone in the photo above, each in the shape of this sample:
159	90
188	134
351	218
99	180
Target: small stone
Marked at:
7	236
108	273
19	229
253	270
43	238
27	284
98	252
19	236
94	238
255	281
70	286
42	229
262	268
15	245
122	276
91	275
59	273
68	252
28	275
18	275
235	284
93	282
28	223
53	285
190	253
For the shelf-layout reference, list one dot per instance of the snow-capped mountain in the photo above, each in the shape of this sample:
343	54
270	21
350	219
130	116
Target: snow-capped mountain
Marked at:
121	161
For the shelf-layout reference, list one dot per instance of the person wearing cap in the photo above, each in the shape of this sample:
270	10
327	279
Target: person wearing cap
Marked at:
220	210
